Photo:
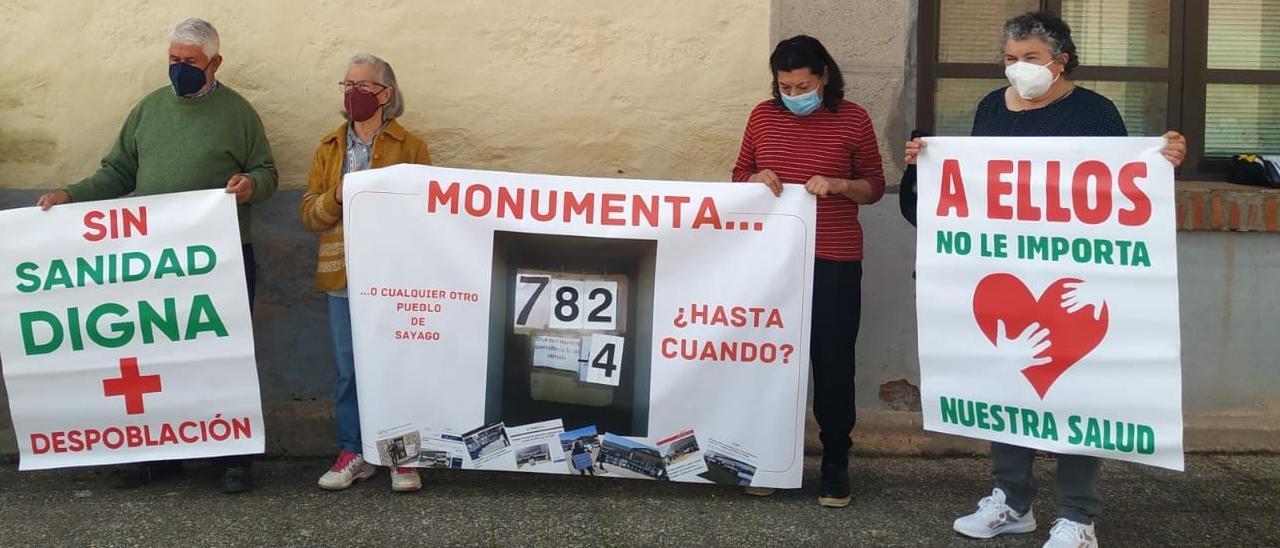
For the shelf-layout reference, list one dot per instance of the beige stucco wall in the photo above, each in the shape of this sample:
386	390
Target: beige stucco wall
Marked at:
656	89
872	42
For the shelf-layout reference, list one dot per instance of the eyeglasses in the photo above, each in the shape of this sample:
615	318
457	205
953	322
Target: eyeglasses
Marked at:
363	85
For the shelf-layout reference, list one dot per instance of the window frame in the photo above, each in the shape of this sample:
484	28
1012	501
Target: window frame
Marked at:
1187	76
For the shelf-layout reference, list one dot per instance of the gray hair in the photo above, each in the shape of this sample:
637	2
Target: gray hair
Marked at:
387	77
1048	27
196	31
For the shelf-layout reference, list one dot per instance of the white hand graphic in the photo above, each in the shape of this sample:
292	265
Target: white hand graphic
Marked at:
1027	348
1080	295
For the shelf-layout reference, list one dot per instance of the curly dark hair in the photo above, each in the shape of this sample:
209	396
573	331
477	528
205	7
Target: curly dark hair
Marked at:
1045	26
807	52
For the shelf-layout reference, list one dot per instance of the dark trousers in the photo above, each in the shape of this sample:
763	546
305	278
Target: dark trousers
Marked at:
1075	481
250	271
250	279
837	311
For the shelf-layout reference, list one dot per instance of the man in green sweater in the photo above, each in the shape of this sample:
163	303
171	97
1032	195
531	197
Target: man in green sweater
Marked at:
196	134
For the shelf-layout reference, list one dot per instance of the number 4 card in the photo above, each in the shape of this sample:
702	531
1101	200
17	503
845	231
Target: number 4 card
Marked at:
604	364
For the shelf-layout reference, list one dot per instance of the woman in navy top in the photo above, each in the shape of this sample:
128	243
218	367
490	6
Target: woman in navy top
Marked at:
1080	112
1041	102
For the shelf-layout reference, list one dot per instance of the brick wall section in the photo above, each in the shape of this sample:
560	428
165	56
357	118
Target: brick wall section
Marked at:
1226	207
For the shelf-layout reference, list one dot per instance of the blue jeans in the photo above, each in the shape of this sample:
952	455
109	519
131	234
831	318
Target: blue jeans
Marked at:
345	406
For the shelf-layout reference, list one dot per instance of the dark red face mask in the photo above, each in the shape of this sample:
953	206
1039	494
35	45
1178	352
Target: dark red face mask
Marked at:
360	105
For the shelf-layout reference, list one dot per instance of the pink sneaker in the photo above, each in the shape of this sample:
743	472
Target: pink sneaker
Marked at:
405	480
346	470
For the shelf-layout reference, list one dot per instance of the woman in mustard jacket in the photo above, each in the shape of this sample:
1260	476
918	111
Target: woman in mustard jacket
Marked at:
370	138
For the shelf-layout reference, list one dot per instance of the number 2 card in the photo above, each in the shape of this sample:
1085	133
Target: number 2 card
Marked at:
601	309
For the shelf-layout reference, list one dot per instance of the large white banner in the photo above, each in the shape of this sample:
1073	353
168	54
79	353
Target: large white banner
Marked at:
1048	295
581	326
125	333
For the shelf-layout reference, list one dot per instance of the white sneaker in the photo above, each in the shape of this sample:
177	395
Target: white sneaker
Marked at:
1070	534
994	517
346	470
405	480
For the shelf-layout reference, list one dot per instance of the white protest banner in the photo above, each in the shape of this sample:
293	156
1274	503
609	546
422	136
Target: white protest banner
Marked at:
622	313
1047	295
125	333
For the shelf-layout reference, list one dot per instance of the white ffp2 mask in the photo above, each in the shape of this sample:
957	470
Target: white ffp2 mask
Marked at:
1030	80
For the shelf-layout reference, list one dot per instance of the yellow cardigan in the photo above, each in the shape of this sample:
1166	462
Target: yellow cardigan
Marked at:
320	210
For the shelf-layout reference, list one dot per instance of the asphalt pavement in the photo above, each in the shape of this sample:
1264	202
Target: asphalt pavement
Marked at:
1221	500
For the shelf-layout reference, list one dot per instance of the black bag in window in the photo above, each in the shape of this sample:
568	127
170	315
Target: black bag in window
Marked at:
1255	170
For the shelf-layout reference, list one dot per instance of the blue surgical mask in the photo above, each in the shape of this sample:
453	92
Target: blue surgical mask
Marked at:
803	104
186	79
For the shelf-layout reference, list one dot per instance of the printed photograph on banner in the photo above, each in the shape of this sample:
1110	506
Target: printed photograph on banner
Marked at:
681	455
442	450
727	464
529	456
580	447
1047	295
399	447
430	458
489	447
537	446
630	458
578	365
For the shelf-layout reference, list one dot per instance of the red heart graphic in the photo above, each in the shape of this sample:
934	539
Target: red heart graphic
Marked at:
1004	298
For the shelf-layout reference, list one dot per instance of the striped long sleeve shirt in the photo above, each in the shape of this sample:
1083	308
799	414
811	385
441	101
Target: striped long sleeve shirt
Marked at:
839	144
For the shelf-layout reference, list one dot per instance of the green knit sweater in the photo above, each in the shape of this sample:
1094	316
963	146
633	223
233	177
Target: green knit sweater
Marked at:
175	144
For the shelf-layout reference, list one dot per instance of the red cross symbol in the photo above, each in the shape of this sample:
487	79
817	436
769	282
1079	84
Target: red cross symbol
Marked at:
131	385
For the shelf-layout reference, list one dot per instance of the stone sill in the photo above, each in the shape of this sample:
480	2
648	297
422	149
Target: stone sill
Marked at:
1225	207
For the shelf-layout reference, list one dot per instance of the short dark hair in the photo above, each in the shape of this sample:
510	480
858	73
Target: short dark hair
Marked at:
1045	26
804	51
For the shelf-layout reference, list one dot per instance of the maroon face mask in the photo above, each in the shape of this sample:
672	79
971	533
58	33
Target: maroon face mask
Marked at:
361	106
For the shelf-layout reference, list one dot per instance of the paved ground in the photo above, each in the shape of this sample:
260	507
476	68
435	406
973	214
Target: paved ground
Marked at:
1219	501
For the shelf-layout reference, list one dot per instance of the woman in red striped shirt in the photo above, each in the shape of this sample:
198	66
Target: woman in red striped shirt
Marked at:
809	135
